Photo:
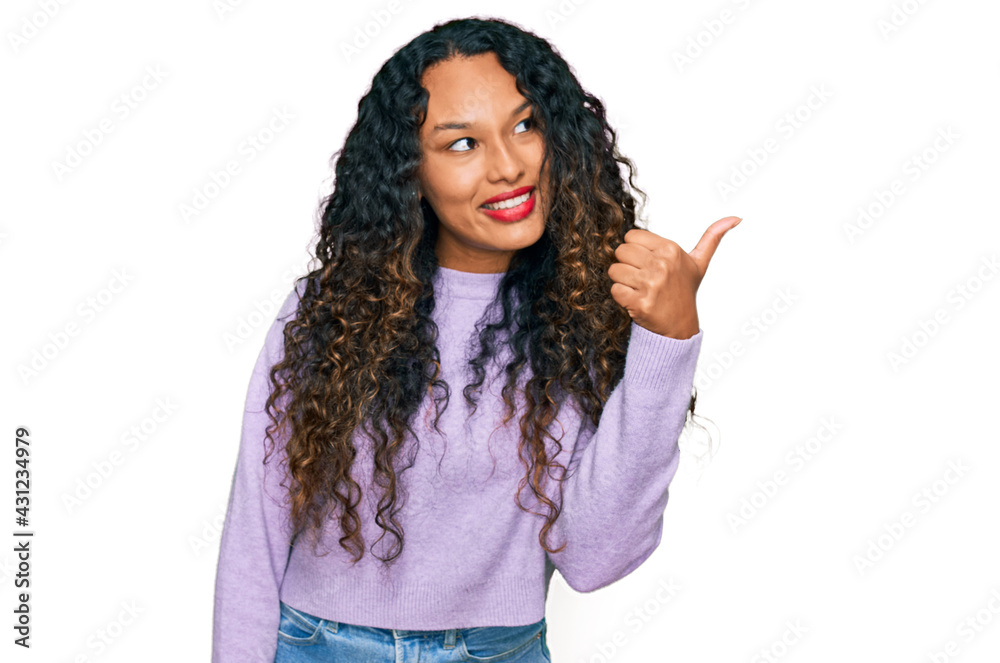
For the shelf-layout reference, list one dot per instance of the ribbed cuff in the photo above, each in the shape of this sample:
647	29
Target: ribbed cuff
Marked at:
654	361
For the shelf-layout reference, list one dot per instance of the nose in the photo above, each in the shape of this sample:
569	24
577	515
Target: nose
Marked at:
505	162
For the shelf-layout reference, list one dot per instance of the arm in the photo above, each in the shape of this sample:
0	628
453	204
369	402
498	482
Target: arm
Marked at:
618	476
255	544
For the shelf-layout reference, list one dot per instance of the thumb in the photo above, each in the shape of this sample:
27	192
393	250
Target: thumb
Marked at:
702	253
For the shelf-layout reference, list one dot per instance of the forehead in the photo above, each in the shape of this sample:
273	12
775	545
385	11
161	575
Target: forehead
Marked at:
465	89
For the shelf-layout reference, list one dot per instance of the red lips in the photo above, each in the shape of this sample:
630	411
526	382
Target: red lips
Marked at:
510	194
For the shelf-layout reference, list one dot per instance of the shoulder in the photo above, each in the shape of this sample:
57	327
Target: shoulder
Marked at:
274	343
291	303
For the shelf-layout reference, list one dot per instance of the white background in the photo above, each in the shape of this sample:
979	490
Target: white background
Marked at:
815	554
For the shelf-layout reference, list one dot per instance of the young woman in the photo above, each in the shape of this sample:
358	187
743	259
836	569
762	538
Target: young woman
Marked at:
479	233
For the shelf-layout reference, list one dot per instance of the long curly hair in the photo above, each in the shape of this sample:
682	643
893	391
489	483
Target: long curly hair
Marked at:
361	347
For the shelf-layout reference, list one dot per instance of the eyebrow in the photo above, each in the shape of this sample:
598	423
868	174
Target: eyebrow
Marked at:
466	125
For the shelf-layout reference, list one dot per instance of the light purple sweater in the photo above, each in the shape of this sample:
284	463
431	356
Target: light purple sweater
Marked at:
471	557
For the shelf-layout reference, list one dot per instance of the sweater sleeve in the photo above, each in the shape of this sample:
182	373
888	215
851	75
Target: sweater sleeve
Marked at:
255	545
616	485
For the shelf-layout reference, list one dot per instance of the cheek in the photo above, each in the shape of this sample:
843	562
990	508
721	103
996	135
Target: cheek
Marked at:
538	155
462	187
454	185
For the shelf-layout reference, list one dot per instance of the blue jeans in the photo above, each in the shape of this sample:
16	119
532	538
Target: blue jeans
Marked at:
303	637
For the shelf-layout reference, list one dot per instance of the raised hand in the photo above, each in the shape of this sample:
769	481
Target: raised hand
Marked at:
656	280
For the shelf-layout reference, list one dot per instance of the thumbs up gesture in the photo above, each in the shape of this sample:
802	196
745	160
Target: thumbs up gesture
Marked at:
656	280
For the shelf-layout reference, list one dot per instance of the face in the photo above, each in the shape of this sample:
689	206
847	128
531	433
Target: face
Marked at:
478	142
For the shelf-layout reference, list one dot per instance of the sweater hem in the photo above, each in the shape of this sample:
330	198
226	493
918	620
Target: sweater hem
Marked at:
424	606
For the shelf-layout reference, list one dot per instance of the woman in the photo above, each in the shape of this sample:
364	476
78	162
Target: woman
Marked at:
479	231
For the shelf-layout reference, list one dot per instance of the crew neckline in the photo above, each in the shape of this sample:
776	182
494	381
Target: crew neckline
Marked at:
468	285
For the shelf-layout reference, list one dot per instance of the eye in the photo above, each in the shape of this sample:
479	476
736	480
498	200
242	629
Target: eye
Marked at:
452	146
472	141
